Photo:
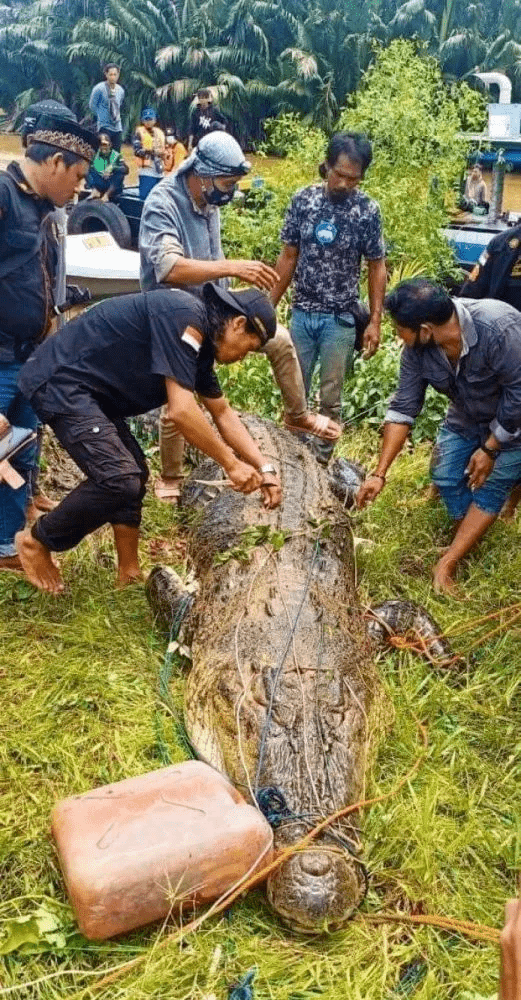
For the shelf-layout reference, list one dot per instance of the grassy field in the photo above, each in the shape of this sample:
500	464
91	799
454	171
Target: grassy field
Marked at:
80	707
80	677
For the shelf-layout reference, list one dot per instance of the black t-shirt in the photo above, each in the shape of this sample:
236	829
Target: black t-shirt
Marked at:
204	121
120	352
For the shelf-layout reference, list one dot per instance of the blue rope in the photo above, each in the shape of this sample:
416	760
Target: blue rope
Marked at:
244	989
165	676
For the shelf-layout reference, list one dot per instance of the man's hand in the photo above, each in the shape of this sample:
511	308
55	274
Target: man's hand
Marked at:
254	272
369	490
371	340
479	468
243	477
271	490
510	945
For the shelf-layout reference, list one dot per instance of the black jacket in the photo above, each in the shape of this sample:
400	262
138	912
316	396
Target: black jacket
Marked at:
498	272
28	257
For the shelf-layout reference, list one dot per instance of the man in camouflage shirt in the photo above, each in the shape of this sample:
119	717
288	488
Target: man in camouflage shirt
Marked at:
329	227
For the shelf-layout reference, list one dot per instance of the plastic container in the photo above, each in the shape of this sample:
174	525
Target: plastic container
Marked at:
134	851
148	178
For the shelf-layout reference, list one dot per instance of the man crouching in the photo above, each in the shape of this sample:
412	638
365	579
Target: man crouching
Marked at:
124	357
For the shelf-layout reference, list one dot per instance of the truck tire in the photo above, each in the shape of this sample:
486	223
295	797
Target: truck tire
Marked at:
95	216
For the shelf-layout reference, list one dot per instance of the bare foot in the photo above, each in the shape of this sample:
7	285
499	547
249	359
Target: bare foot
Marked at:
127	576
443	576
11	563
38	564
508	511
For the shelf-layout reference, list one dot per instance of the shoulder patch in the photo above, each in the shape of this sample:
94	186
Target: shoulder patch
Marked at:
514	243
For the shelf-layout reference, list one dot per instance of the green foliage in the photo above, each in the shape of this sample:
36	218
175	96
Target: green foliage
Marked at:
250	386
372	383
251	537
288	135
414	125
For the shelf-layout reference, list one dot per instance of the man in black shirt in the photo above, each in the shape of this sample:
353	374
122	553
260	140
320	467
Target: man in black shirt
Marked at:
204	118
497	275
127	356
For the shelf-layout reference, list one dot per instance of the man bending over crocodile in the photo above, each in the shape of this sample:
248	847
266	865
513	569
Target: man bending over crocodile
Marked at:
469	350
124	357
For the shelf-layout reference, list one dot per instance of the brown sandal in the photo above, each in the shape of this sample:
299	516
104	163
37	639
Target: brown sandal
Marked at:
168	490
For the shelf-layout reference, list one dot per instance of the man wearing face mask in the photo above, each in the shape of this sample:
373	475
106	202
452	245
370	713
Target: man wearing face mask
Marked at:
180	245
470	351
329	227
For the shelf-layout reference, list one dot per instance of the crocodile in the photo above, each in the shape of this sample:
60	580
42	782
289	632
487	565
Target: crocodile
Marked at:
283	695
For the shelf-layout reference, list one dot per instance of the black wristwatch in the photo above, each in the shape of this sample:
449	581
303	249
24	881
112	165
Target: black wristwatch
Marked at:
491	452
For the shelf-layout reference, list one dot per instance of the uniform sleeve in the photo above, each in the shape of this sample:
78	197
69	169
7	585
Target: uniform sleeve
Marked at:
373	247
160	240
290	232
477	285
173	353
409	397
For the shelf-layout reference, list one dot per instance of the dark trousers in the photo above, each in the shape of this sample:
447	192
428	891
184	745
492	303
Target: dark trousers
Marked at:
114	136
116	471
114	183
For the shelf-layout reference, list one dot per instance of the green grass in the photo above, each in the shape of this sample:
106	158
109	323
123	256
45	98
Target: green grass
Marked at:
79	679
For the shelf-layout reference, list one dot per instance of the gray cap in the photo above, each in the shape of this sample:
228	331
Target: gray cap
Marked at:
217	154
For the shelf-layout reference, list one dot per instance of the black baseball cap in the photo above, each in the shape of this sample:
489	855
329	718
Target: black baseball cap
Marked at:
249	302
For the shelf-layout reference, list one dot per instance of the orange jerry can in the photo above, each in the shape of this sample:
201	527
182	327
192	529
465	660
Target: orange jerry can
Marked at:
134	851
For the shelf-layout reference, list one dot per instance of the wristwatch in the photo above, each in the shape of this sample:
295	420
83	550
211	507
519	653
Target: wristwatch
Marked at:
268	468
491	452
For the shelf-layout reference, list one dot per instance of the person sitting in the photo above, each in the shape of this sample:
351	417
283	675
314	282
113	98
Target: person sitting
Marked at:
475	195
81	383
149	141
175	152
107	171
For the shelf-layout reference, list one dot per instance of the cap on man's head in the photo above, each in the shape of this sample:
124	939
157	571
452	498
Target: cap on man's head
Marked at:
148	114
217	154
35	111
65	134
249	302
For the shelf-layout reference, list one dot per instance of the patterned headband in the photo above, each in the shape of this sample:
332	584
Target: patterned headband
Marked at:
64	140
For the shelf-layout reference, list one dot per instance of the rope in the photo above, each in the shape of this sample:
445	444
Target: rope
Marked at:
278	671
244	989
163	689
275	809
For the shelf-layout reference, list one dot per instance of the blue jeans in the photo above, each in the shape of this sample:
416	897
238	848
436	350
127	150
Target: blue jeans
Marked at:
13	502
320	337
450	458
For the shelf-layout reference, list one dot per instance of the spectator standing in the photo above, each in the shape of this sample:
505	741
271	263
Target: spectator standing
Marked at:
329	227
175	152
105	102
149	141
56	161
204	118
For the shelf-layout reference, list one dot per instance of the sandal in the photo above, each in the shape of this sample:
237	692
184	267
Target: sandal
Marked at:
322	427
168	490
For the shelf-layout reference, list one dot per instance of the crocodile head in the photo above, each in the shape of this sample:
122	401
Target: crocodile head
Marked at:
317	889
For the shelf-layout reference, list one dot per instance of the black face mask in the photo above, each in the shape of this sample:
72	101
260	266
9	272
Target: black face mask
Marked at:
216	197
